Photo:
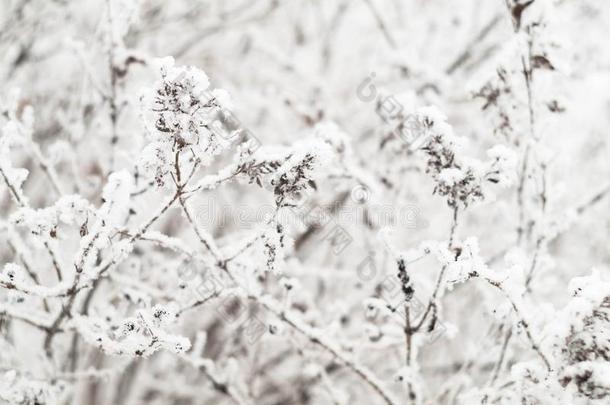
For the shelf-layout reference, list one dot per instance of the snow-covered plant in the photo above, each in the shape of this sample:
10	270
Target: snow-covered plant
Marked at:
580	340
304	202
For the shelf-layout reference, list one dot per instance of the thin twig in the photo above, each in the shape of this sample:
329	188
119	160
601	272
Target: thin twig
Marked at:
364	373
381	24
466	54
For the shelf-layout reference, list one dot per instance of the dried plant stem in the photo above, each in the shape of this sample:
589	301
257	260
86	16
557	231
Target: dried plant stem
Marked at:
381	24
15	191
521	195
524	324
47	169
113	72
466	54
604	192
432	304
408	334
218	385
408	350
365	374
53	255
66	309
499	364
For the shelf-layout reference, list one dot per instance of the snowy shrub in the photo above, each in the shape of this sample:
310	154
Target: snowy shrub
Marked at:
304	202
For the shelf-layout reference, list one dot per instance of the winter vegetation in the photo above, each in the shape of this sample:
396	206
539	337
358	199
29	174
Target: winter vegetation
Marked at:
280	202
